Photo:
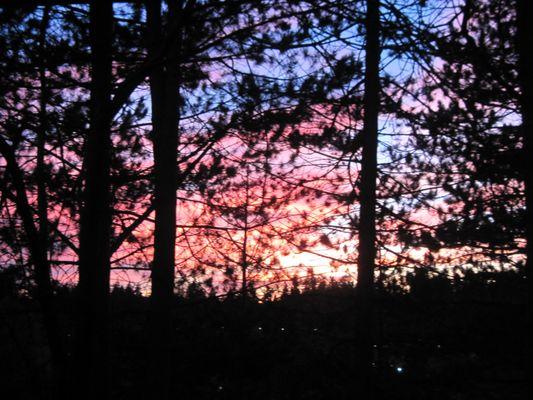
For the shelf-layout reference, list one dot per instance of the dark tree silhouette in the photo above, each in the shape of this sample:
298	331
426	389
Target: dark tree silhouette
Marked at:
467	143
164	88
95	220
35	227
525	64
367	198
524	13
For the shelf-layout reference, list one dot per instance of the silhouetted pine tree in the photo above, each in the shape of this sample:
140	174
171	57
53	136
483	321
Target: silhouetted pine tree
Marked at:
367	199
92	350
468	148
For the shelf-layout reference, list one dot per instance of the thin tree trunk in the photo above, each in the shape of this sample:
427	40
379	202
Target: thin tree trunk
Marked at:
164	86
39	260
42	268
244	252
525	46
95	220
37	237
367	226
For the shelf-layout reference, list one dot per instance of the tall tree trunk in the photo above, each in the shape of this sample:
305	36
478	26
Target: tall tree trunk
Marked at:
43	271
164	86
244	252
37	236
40	262
367	223
525	46
95	220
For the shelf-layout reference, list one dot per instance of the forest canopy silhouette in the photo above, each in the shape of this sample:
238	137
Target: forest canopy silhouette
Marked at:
265	199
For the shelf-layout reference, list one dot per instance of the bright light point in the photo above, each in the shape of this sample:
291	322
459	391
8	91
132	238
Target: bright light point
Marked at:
282	329
260	328
399	370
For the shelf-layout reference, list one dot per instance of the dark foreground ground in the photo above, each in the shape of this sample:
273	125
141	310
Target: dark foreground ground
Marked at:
462	338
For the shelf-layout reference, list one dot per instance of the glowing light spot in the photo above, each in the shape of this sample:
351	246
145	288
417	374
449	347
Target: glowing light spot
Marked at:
399	370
